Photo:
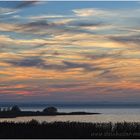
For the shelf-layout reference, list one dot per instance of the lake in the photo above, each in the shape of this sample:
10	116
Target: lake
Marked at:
108	114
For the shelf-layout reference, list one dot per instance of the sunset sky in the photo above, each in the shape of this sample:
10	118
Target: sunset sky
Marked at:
70	51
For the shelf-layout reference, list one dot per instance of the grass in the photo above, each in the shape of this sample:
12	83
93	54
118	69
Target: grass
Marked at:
34	129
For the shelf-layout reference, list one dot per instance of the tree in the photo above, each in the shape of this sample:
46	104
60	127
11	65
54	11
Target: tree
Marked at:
15	108
8	109
4	109
50	110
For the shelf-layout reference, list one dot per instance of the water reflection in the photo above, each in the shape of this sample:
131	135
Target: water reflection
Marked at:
79	118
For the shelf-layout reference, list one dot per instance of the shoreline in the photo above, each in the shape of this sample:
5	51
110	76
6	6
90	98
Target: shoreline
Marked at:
32	113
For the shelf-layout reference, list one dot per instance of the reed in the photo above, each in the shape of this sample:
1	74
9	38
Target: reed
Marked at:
34	129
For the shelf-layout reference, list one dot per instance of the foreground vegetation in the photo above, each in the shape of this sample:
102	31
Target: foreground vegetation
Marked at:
34	129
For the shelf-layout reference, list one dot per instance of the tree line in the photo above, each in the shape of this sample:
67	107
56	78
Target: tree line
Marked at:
16	108
15	111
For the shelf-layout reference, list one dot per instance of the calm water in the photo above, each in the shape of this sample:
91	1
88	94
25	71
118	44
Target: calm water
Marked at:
108	115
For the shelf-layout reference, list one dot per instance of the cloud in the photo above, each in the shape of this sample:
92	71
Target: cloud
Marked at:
33	61
105	54
100	13
135	38
68	85
86	12
38	62
87	24
6	11
43	17
83	54
84	66
104	72
24	4
47	27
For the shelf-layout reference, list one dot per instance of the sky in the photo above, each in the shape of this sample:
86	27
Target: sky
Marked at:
69	51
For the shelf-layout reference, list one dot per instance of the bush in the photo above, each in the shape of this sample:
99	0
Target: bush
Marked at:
50	110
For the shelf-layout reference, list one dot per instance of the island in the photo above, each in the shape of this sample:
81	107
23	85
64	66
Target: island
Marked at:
15	111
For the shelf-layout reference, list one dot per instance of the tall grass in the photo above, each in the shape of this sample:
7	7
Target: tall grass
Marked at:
34	129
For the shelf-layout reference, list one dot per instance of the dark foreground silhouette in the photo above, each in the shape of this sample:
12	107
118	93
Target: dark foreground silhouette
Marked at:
49	111
34	129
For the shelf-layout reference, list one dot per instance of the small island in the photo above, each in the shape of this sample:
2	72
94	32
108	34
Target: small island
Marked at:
15	111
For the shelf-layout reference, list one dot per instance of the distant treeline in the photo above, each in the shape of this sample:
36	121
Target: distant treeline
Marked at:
15	111
34	129
16	108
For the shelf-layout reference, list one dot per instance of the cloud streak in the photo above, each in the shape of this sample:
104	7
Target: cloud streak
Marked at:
80	52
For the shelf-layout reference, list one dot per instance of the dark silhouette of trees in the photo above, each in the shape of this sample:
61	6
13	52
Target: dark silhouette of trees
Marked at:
10	112
16	112
50	110
4	110
15	108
